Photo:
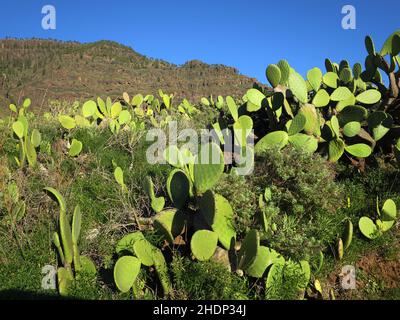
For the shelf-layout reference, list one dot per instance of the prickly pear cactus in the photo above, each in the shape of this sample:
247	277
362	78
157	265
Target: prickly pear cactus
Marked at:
218	214
208	167
203	244
126	270
178	188
170	223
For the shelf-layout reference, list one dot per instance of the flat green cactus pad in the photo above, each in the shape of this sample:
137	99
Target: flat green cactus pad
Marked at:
204	244
126	270
208	167
218	214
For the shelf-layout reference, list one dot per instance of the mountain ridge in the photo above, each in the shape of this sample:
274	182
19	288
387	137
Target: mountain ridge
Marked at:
48	69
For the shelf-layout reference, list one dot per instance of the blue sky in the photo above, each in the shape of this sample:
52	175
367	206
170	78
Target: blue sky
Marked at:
248	35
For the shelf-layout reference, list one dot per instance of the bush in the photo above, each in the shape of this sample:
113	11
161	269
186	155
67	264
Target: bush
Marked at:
242	199
205	281
305	200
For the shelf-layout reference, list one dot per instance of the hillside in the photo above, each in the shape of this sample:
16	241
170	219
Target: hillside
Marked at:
48	69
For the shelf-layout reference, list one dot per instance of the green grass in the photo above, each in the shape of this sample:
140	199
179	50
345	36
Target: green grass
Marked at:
308	206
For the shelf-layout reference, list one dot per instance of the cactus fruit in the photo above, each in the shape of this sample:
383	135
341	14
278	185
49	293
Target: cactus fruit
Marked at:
218	214
208	167
178	188
75	149
298	87
203	244
170	223
126	270
273	74
275	139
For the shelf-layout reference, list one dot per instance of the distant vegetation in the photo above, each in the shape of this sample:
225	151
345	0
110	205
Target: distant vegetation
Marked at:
44	70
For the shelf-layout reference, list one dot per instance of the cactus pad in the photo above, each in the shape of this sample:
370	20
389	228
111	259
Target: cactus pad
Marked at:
208	167
218	214
126	270
204	244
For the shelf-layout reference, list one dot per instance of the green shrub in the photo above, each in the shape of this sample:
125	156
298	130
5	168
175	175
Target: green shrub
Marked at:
305	200
242	199
205	281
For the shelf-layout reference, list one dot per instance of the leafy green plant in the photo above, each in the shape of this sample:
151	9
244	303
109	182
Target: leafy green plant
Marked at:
386	218
15	208
345	111
142	252
27	143
287	280
66	242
